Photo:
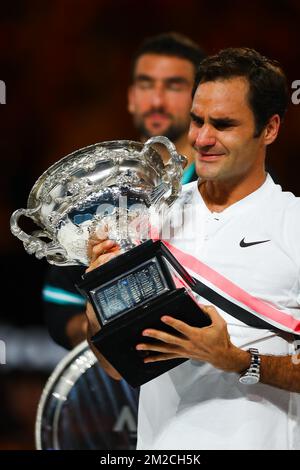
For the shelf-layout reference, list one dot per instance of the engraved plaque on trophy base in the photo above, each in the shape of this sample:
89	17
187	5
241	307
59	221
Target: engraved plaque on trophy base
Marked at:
132	292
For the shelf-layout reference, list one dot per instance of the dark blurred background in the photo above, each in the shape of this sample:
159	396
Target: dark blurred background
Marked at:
66	66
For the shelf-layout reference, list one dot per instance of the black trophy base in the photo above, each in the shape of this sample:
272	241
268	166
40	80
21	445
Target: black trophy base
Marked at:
118	342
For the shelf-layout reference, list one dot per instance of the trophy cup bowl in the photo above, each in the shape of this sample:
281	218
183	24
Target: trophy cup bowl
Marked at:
115	187
66	201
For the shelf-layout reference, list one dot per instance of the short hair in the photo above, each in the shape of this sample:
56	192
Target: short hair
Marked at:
268	90
170	44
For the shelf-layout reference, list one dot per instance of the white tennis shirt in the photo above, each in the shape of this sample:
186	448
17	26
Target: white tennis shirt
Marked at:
196	406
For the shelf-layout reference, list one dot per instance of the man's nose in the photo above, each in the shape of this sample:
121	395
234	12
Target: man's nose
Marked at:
203	136
158	97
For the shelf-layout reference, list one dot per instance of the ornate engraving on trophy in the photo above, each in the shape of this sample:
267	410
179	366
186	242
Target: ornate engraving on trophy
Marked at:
110	187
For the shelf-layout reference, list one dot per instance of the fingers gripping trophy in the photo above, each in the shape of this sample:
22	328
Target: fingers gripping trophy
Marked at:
113	189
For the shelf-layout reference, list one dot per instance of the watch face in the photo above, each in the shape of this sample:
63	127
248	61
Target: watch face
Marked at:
249	379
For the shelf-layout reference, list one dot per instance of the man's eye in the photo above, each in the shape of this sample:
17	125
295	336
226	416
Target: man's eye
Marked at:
222	127
197	123
175	86
144	85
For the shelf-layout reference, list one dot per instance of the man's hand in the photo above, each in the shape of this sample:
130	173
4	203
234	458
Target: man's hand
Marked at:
100	252
210	344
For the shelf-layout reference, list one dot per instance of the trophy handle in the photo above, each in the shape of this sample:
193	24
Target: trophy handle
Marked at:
173	168
32	243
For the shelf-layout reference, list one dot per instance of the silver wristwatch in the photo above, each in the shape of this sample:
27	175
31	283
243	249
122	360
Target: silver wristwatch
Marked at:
252	374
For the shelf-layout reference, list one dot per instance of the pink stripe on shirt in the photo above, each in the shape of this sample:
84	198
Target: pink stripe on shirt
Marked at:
263	309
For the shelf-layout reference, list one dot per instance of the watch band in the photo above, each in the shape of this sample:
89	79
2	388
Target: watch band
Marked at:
251	376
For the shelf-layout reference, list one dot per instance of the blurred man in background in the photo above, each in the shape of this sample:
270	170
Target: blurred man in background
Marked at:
159	100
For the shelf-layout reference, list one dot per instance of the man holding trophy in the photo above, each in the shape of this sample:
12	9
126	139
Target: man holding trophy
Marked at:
159	101
202	314
240	388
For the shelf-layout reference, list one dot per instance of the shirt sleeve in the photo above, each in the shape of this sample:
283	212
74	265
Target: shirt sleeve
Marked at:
61	300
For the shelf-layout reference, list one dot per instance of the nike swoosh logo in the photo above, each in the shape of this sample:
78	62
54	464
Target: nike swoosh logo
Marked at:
244	244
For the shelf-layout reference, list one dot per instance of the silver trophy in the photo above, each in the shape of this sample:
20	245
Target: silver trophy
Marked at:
109	187
113	189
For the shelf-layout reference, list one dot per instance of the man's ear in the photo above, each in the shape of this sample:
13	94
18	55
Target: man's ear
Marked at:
130	98
271	129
